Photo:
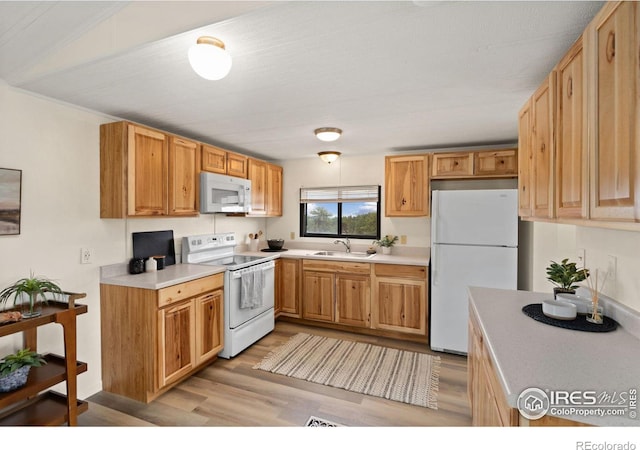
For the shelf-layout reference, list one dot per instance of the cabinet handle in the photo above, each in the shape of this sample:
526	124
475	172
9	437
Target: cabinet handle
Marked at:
542	148
611	46
570	87
404	202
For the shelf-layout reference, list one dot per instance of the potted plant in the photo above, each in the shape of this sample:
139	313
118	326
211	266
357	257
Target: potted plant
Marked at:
386	243
34	289
565	275
14	368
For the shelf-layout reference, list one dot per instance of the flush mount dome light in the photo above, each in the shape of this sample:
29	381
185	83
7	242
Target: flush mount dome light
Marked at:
327	134
209	59
329	156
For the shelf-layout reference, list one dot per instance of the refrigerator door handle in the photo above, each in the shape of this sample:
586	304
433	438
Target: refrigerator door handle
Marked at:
434	273
435	216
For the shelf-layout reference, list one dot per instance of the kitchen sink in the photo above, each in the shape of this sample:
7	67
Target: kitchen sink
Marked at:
358	255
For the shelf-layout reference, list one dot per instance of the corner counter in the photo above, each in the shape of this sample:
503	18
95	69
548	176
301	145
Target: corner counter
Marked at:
117	275
526	353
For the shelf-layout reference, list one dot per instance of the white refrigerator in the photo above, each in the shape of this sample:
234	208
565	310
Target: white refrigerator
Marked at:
474	242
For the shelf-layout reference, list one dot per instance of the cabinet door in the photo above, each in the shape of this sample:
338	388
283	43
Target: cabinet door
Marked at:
615	151
525	160
495	163
571	149
214	159
542	144
287	295
400	305
258	177
237	165
176	352
274	190
353	300
407	185
318	295
452	165
183	177
147	172
209	325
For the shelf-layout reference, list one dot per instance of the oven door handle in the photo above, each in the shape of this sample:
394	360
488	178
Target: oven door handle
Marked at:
255	268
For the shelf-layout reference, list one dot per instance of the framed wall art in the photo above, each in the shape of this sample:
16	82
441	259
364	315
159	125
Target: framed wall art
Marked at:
10	201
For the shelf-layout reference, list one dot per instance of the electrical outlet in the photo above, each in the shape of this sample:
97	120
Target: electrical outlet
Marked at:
581	254
292	235
612	263
86	256
403	239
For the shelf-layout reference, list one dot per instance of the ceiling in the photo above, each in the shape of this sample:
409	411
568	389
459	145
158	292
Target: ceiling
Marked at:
395	76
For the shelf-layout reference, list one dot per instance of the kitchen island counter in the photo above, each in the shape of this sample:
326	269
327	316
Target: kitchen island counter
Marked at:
530	354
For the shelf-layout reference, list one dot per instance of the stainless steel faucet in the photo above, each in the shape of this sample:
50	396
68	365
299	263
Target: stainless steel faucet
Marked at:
346	242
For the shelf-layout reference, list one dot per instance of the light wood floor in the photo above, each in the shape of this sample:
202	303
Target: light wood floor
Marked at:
231	393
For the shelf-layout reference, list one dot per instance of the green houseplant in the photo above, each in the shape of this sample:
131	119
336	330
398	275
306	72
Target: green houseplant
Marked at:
34	289
14	368
565	275
386	242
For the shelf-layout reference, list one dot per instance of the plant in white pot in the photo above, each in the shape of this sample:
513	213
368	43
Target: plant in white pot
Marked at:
30	293
14	368
565	275
386	242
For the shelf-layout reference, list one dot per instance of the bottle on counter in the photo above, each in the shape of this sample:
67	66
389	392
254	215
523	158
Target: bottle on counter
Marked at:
151	265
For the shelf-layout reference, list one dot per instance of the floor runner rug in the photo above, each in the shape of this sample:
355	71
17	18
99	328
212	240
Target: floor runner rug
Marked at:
399	375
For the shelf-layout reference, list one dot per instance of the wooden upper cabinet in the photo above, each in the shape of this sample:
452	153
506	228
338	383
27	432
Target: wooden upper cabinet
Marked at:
525	160
214	159
184	158
218	160
571	143
452	165
407	185
543	114
495	163
258	177
237	165
612	42
274	190
147	171
266	188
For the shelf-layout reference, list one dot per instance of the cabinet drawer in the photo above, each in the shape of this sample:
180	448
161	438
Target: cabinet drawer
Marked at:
399	271
504	162
177	292
336	266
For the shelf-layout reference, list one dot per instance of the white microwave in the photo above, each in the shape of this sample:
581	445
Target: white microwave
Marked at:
224	194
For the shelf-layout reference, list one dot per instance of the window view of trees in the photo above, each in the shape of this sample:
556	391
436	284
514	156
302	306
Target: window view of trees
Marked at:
357	219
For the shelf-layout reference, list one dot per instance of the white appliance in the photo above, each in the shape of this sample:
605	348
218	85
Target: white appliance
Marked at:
243	324
223	193
474	242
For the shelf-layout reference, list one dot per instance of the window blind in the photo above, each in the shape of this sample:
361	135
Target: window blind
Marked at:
340	194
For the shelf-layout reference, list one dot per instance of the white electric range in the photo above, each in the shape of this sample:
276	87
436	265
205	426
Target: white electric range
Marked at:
249	284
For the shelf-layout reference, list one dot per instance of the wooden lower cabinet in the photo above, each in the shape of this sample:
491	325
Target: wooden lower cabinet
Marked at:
162	336
378	299
400	298
489	406
287	291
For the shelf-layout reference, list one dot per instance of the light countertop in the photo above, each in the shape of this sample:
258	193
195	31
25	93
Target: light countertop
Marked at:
118	275
378	258
527	353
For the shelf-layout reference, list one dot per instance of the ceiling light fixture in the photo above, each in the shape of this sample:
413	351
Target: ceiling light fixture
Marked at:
329	156
328	134
209	59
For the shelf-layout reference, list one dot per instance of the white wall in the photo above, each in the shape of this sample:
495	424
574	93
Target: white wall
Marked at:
346	171
57	148
555	242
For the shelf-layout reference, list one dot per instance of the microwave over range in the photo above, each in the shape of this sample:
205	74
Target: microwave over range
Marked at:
224	194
